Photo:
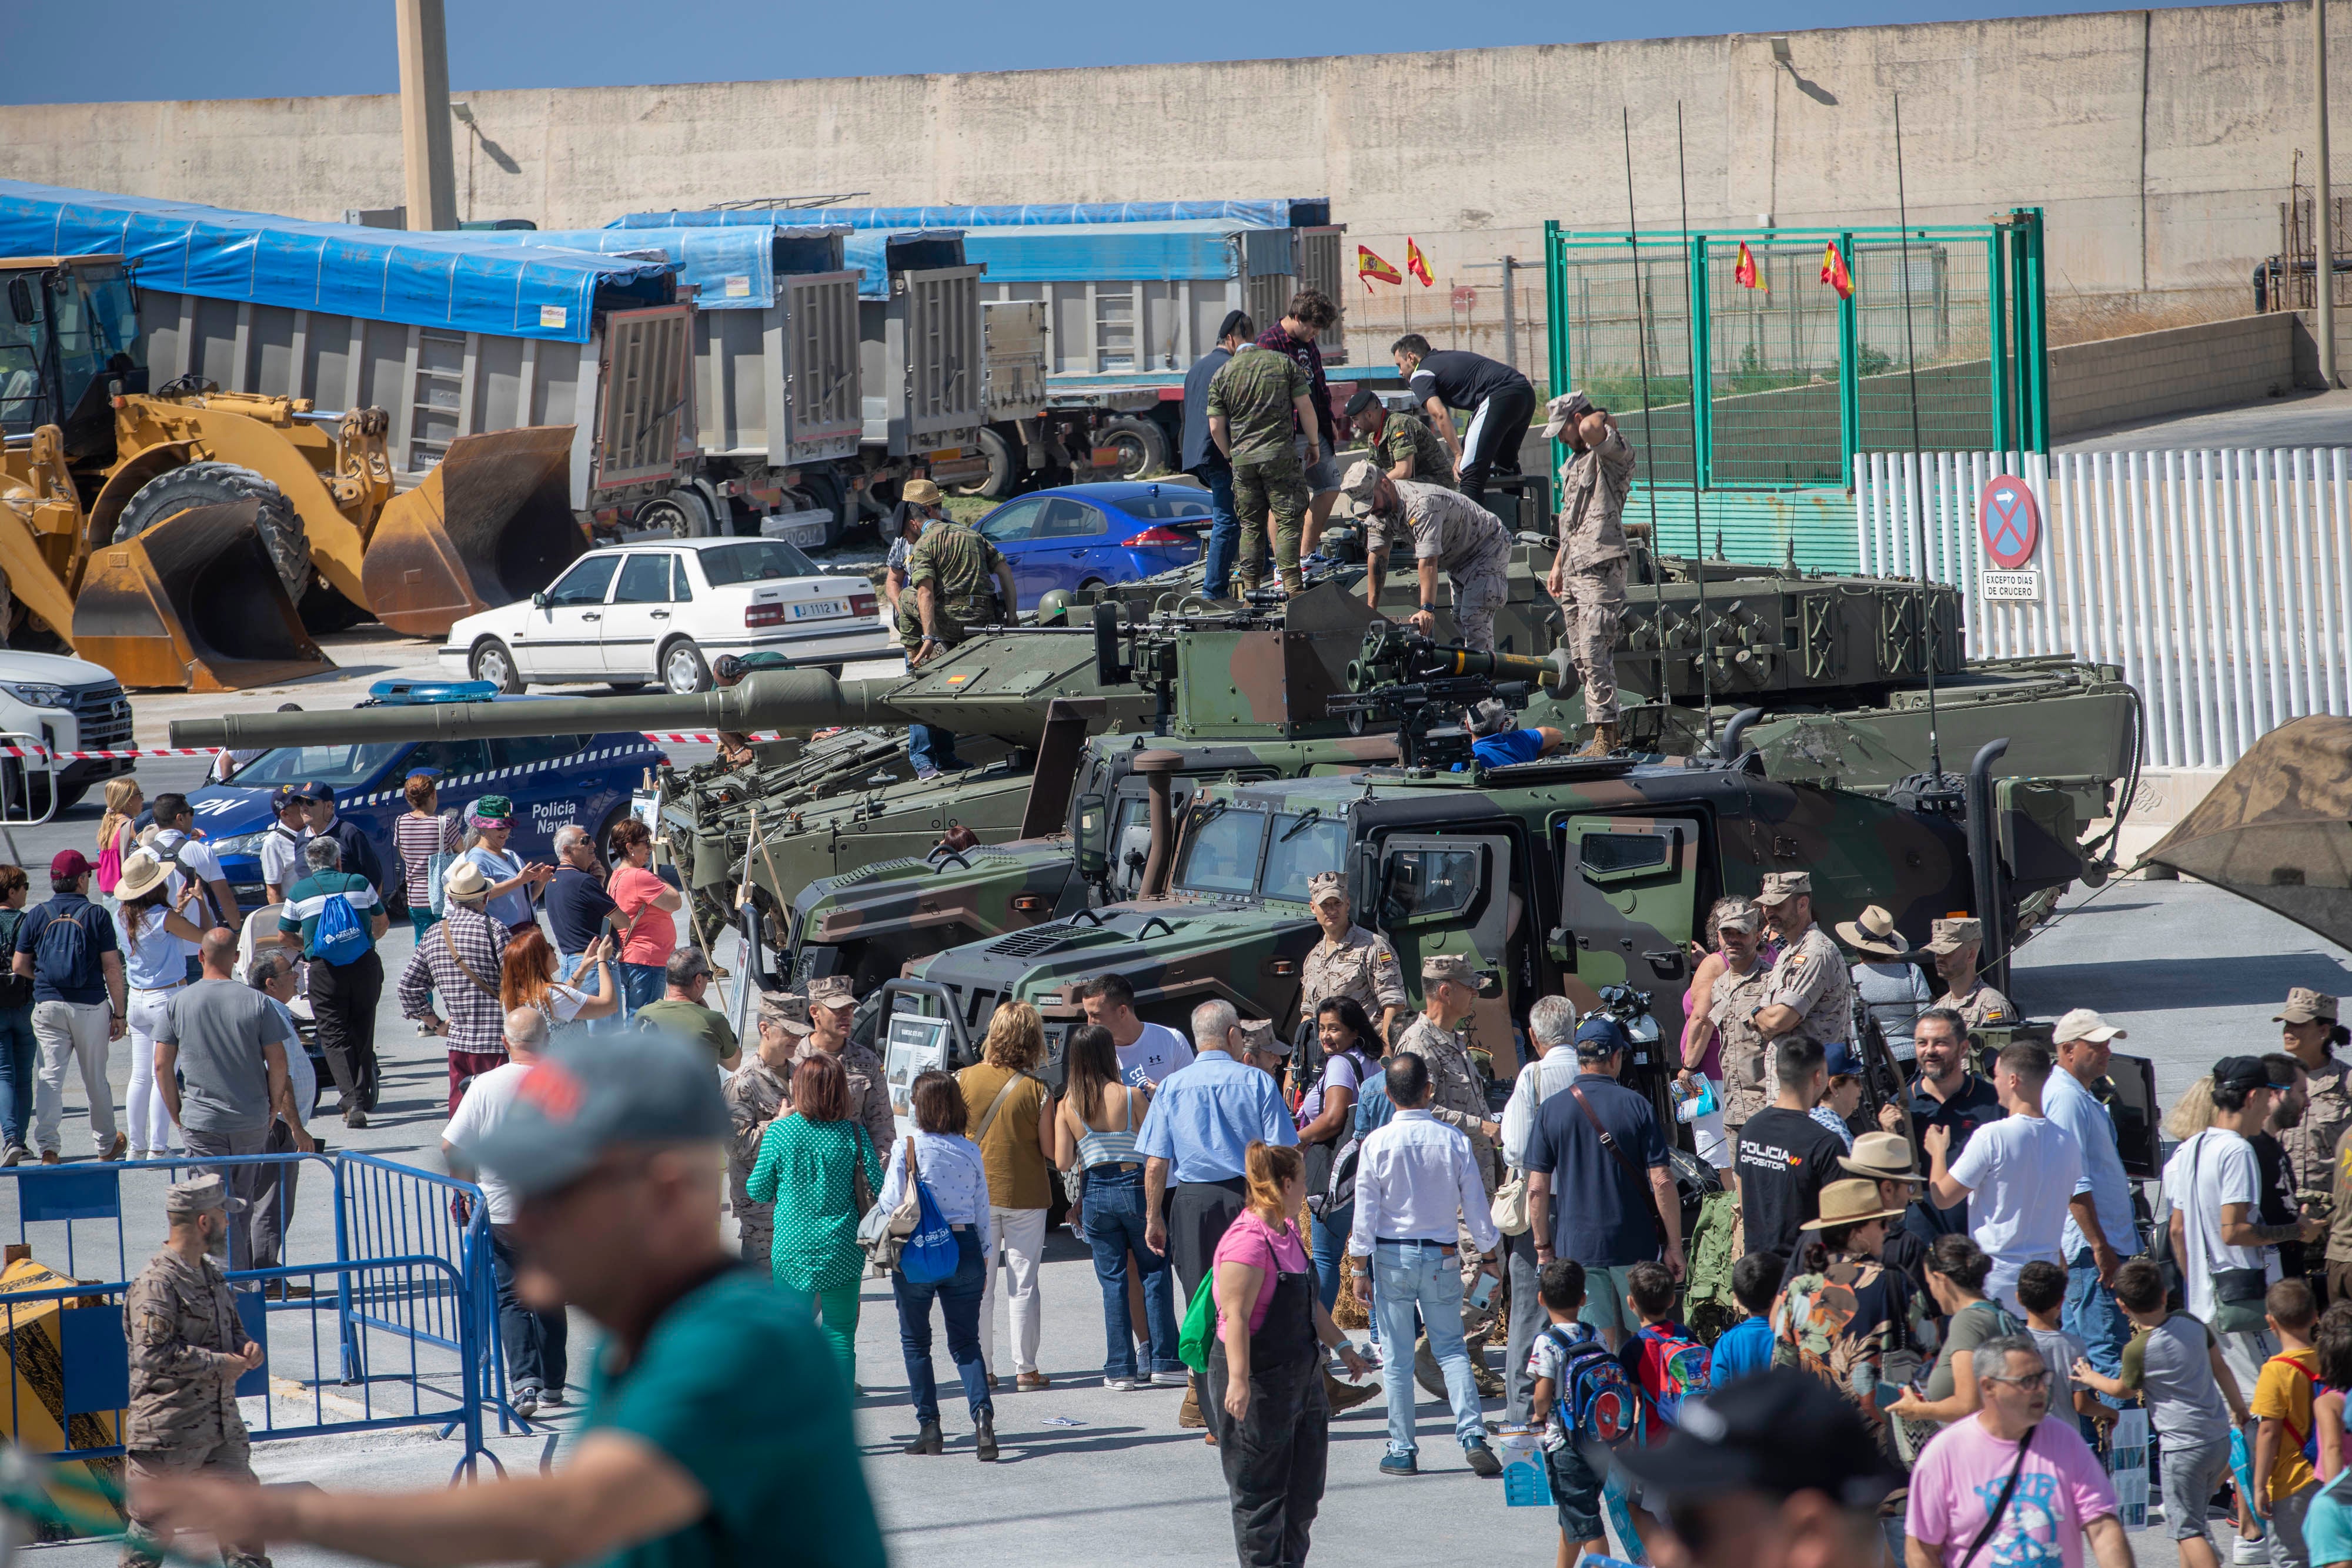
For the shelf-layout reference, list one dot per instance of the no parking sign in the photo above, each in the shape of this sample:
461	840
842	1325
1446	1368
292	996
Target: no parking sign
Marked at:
2009	522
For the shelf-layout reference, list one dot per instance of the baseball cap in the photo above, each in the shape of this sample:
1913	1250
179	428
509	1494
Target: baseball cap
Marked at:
1324	885
313	790
284	794
1779	886
67	864
590	1093
196	1194
1561	409
1599	1038
2241	1073
832	991
785	1010
1951	936
1258	1035
1449	966
2303	1005
1780	1432
1362	477
2085	1024
1740	914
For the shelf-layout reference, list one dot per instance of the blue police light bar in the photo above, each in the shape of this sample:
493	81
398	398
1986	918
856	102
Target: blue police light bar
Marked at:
416	693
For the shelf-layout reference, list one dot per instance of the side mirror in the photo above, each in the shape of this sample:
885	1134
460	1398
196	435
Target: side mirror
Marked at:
20	300
539	599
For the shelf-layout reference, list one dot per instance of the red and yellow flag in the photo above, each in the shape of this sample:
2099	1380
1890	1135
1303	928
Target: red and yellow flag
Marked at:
1833	272
1416	263
1745	272
1369	267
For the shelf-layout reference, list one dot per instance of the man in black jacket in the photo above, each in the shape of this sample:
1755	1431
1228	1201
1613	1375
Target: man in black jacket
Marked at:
1202	459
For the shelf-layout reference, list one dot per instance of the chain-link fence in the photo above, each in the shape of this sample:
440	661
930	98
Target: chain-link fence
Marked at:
1794	376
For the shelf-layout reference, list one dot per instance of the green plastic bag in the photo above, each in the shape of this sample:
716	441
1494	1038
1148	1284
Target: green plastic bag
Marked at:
1200	1327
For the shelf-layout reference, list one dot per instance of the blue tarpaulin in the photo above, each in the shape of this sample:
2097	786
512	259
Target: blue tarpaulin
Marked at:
728	269
1278	213
868	250
1078	252
467	282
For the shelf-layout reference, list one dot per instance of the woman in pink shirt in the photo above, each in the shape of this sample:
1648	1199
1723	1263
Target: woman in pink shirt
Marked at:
1266	1404
642	904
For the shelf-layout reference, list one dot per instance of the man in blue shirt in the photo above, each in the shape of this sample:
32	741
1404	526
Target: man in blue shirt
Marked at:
77	1009
2100	1231
1201	1124
1599	1187
1497	741
1202	459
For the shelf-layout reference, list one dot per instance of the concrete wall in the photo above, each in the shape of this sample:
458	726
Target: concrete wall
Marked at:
2159	143
2148	375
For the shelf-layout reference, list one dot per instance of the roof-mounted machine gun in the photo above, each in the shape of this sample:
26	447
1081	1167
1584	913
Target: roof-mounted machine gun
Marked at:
1423	686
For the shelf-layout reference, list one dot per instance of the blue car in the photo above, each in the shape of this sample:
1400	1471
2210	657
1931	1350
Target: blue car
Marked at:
554	780
1090	535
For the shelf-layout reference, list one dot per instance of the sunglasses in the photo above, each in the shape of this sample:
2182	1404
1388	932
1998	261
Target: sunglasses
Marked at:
2031	1380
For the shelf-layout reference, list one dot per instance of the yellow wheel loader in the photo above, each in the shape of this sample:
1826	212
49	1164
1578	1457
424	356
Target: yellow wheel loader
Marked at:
93	462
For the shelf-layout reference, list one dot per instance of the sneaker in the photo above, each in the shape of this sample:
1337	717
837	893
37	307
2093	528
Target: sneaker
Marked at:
1399	1465
925	775
526	1403
1171	1380
15	1154
1127	1385
355	1117
1482	1458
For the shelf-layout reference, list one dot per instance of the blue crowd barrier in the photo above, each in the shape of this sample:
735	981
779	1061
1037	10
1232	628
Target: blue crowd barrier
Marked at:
400	1323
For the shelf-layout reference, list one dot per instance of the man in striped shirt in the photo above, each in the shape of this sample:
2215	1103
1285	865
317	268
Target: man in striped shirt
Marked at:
460	957
342	996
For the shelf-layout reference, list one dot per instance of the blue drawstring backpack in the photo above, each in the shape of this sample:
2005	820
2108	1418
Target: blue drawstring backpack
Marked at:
930	1256
338	937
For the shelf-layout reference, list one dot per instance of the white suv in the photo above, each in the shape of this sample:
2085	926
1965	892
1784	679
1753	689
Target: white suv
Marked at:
63	704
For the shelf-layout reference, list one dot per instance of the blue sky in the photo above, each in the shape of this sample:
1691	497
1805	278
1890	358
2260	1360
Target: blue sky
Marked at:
135	49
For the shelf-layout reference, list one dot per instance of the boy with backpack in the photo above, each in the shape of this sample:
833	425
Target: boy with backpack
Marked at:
1746	1346
2286	1445
1663	1359
1580	1396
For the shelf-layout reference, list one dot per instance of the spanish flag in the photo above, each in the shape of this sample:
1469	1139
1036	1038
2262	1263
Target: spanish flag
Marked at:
1745	272
1833	272
1416	263
1369	267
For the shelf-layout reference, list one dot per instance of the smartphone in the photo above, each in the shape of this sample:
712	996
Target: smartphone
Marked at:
1484	1291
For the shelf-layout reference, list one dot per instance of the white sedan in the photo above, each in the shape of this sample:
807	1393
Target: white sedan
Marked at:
636	614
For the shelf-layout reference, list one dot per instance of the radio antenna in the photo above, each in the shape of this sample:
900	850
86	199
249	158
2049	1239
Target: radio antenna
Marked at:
1690	343
1918	497
1641	341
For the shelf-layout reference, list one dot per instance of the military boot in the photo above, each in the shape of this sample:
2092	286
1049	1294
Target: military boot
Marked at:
1345	1396
1603	741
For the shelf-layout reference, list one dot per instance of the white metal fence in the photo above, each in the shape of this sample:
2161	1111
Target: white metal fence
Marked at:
2219	580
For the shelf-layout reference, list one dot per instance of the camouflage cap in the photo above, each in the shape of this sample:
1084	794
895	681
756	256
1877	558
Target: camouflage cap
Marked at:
182	1199
786	1010
1324	885
2305	1005
1258	1037
1561	409
1362	477
1948	936
1739	915
1449	966
832	991
1779	886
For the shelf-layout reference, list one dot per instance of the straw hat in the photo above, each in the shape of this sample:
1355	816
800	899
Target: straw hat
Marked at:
1873	934
142	872
1852	1202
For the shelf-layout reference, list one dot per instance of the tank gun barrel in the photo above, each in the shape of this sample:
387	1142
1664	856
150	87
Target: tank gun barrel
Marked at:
785	700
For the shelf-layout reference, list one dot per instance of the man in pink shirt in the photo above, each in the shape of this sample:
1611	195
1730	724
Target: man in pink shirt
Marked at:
2006	1487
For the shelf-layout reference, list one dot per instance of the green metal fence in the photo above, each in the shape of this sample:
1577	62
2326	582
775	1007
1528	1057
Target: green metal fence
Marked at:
1792	379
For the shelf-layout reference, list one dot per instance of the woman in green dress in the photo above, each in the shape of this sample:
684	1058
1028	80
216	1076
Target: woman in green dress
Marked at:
808	1167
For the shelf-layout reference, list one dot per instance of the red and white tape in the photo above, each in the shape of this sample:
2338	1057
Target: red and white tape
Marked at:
124	751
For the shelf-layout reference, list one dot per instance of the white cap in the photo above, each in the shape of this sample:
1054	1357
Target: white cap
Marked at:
2085	1024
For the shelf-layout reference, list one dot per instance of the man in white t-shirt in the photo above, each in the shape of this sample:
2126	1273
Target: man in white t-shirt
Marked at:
281	846
2212	1184
1148	1052
2016	1175
534	1340
176	844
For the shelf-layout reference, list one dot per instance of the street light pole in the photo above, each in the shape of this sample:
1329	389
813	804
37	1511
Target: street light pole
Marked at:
2322	226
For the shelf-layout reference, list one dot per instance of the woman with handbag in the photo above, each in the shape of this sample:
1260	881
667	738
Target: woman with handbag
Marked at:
1015	1129
939	1162
420	836
812	1161
1093	1132
1326	1123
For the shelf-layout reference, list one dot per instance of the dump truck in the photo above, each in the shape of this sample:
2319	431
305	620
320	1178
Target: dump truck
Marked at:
443	418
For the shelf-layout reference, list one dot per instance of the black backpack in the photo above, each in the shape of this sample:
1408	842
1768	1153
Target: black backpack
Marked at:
16	989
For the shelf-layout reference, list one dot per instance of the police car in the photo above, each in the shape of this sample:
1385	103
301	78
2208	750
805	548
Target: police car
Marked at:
554	779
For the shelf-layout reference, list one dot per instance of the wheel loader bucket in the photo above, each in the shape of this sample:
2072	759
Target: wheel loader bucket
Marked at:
491	523
194	602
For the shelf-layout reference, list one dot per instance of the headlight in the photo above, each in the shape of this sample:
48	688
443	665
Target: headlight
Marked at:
33	694
240	844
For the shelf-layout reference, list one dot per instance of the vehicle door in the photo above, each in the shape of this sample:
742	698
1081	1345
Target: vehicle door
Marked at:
1010	529
562	629
1070	546
1629	906
1452	894
547	794
638	617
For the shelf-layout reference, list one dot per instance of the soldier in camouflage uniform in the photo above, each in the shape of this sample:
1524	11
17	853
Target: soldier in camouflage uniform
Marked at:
1955	944
1251	399
188	1348
1588	572
1405	447
959	581
831	1005
1349	961
1448	530
757	1092
1736	979
1811	989
924	504
2308	1032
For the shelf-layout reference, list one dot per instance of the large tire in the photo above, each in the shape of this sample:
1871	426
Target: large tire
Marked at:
1142	446
681	513
1003	476
209	483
